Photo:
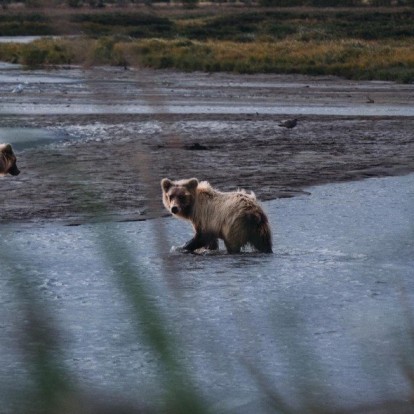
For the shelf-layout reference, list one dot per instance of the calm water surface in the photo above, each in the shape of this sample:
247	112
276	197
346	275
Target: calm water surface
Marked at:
324	317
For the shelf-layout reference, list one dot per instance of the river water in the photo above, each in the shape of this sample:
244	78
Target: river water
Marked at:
114	91
324	321
325	318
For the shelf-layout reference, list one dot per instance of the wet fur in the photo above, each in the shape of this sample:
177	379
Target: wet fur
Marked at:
235	217
8	160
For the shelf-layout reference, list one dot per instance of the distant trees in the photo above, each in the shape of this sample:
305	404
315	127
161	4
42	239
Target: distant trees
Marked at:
334	3
193	3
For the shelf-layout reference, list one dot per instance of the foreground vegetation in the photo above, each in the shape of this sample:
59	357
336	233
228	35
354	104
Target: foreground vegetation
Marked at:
358	43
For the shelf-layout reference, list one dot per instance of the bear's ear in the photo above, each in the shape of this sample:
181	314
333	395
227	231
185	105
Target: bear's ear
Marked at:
166	184
7	149
191	184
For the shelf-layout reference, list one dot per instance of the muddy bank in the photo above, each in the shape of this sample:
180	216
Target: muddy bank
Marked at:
109	162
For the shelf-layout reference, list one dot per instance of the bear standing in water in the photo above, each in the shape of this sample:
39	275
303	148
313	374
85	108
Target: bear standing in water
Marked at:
8	160
236	217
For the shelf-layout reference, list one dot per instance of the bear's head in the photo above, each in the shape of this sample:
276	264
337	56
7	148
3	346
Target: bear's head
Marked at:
8	160
179	196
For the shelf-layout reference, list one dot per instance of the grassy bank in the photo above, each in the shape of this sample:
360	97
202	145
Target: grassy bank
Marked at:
353	59
218	23
357	43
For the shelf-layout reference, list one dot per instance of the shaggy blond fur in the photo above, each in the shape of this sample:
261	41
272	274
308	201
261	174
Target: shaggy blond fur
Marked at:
236	217
8	160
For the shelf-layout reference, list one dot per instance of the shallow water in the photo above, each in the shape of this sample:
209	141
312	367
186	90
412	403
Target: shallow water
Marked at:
324	318
140	92
24	138
207	107
20	39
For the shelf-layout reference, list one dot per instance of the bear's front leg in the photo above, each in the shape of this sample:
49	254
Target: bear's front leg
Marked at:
193	244
201	240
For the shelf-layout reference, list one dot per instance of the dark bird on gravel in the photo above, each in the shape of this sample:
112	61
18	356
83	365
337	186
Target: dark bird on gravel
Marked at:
289	123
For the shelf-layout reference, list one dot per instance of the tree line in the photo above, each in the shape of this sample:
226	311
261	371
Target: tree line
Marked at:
265	3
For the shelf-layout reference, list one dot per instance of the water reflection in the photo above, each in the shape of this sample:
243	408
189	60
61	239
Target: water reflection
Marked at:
24	138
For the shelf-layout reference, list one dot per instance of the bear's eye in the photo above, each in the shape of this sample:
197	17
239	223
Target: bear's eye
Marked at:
181	198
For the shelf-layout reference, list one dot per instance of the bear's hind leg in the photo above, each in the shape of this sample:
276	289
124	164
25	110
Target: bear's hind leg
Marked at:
212	245
232	248
263	247
261	239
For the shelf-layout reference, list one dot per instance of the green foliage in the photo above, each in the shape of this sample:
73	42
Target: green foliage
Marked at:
52	388
34	24
240	25
190	4
214	42
121	19
350	59
74	3
180	397
133	24
104	50
33	56
37	54
10	52
314	24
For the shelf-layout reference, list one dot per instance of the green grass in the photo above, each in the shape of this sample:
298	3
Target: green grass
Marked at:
356	43
351	58
229	24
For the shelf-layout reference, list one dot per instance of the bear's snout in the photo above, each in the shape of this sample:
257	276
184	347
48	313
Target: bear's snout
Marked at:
174	209
14	170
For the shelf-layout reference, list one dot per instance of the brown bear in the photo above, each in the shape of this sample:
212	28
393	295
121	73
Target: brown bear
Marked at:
8	160
235	217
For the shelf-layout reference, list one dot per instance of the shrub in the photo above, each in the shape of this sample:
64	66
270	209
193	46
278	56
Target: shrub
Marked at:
33	56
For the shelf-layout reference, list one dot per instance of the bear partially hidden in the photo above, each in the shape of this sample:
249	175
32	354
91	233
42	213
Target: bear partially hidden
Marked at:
8	160
235	217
